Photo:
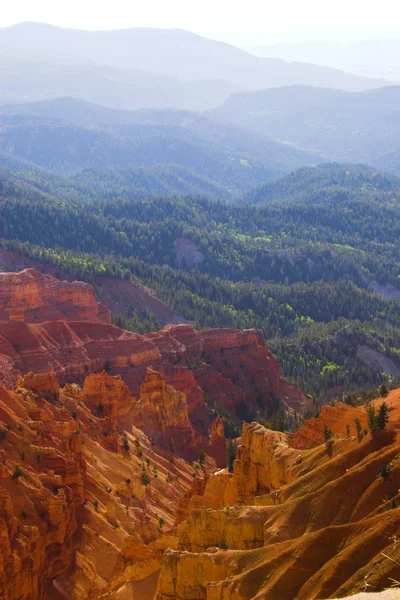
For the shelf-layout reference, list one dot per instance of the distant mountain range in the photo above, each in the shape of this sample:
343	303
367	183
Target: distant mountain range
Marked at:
194	153
144	68
341	126
370	58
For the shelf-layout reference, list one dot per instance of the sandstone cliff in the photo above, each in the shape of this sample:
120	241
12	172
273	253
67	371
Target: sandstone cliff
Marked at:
307	524
162	413
31	297
96	496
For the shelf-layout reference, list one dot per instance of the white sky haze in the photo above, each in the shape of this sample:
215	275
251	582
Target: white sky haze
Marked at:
253	21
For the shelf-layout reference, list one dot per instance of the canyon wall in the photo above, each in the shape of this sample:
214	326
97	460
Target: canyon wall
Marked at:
113	478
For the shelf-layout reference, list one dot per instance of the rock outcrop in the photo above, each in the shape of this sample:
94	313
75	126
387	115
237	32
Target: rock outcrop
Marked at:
291	523
337	418
31	297
162	413
71	499
227	370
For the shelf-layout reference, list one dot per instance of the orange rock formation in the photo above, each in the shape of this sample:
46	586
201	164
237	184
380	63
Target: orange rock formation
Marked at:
30	296
291	524
98	502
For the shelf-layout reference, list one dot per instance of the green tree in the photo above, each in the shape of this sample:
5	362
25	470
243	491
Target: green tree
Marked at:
382	417
328	433
383	390
231	454
371	418
357	423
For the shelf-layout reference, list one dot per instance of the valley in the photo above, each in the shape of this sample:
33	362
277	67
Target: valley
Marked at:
109	482
199	306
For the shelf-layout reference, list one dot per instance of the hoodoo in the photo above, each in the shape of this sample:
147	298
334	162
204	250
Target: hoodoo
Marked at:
117	479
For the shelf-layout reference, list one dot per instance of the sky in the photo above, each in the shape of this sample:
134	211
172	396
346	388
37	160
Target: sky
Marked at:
243	23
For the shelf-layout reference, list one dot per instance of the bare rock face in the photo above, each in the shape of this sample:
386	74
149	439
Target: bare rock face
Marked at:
217	431
74	349
107	395
304	516
262	465
234	369
337	418
31	297
40	383
41	490
48	325
217	445
162	413
74	509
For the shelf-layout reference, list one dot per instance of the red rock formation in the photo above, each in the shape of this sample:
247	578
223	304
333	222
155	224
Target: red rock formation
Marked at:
41	489
120	296
74	501
31	297
162	413
311	524
337	418
232	369
73	349
217	444
90	503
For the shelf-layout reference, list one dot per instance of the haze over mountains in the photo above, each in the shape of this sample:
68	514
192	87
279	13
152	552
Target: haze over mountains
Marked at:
144	68
199	320
371	58
341	126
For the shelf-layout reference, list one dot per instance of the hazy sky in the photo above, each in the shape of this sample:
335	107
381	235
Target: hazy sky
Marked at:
249	22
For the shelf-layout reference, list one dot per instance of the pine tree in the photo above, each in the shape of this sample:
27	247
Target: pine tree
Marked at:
357	423
328	433
382	418
231	454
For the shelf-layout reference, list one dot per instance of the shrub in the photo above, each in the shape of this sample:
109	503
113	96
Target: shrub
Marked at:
223	545
144	478
202	456
384	471
3	434
383	390
328	433
18	472
357	423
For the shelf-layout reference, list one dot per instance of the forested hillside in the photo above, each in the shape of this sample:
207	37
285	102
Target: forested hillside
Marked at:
304	271
342	126
67	136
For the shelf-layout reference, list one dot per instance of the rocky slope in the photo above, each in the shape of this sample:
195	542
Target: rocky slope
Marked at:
102	495
291	523
120	296
31	297
233	370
